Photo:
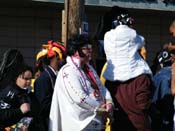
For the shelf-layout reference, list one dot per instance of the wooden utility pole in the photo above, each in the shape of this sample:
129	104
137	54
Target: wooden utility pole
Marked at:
76	14
65	16
72	18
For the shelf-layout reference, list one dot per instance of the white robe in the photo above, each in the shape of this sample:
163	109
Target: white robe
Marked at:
74	105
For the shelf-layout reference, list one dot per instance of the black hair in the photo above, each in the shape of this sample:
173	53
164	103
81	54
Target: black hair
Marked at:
25	68
75	44
11	63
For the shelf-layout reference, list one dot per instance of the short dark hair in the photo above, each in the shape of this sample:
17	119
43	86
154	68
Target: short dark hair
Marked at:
75	43
25	68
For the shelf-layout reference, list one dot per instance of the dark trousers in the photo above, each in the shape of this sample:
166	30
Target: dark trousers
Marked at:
132	98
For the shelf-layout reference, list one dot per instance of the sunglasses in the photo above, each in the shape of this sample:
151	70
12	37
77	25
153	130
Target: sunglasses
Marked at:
88	47
25	78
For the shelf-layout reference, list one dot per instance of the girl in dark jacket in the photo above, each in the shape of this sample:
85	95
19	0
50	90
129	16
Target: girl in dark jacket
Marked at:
15	77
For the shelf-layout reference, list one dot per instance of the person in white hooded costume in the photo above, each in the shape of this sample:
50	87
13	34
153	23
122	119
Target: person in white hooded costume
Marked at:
128	76
80	102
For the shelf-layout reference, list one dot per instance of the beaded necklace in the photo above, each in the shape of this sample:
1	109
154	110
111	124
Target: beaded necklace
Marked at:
91	78
90	75
82	76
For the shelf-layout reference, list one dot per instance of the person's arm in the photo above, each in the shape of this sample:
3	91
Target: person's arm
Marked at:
43	93
79	91
108	105
173	79
139	41
9	117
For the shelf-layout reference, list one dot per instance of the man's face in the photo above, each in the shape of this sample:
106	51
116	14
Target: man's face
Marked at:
172	30
87	50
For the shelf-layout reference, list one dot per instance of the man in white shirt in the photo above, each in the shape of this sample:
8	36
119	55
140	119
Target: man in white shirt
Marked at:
80	102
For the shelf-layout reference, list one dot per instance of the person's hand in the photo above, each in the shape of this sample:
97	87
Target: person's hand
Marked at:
102	111
25	107
106	111
109	107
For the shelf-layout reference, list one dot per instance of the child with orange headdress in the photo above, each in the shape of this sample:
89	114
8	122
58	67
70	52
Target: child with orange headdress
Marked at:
51	58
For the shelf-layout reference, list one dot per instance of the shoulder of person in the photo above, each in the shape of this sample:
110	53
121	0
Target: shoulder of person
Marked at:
43	76
67	68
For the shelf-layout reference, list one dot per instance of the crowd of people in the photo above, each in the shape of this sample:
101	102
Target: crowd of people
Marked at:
67	93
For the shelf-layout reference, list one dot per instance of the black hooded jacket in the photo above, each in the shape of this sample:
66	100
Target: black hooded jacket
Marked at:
11	98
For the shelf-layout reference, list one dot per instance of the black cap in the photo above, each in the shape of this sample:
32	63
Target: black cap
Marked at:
164	56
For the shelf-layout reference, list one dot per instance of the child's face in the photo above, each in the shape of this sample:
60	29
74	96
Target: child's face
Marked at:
24	80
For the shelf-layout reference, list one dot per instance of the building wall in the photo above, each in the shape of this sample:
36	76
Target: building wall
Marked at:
154	26
27	28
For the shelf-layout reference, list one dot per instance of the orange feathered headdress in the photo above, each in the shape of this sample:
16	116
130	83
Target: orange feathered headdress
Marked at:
50	49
